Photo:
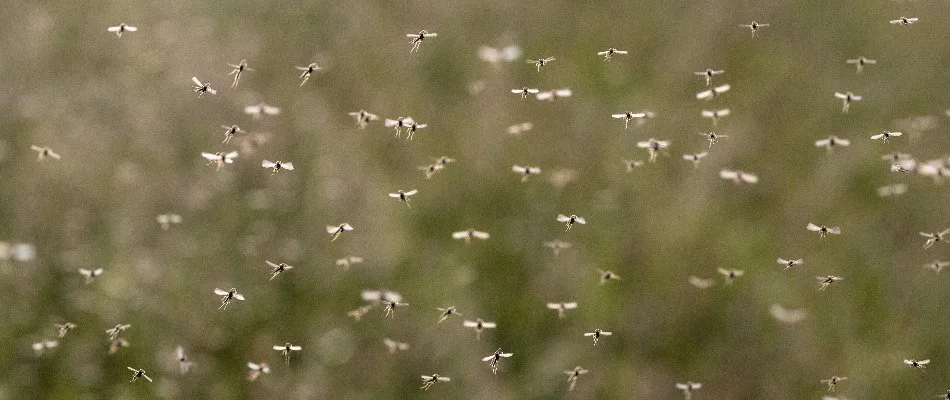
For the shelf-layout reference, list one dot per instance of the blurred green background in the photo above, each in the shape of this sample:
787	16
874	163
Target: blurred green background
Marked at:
122	114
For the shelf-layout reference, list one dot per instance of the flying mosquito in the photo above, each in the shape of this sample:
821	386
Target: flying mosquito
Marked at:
892	190
886	135
493	359
712	137
712	93
754	26
183	364
730	275
443	160
276	166
709	73
632	164
468	234
573	375
627	117
202	88
653	147
825	281
390	307
525	171
846	100
936	266
562	308
695	158
261	110
412	128
285	350
553	94
738	176
64	328
933	238
701	283
167	220
42	345
403	196
606	54
860	62
688	388
336	231
230	131
715	115
606	276
307	71
227	296
398	123
496	56
570	221
831	142
90	274
919	364
525	91
277	268
556	246
822	230
417	39
237	70
596	334
256	370
833	382
363	117
790	262
347	262
220	158
138	373
393	346
541	62
429	380
118	344
123	28
478	325
116	330
904	21
44	152
446	312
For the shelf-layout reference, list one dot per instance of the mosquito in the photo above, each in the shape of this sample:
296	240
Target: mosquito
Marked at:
256	370
202	88
363	117
495	56
712	93
695	158
138	373
446	312
227	297
846	100
417	39
553	94
40	346
822	230
936	266
116	330
478	325
892	190
118	344
90	274
738	176
122	28
933	238
596	334
429	380
230	131
712	137
277	268
556	246
886	135
754	26
183	364
525	171
790	262
786	316
573	375
404	196
627	117
390	307
541	62
606	276
904	21
653	147
394	346
276	166
44	152
347	262
833	382
730	275
307	71
236	70
825	281
570	221
261	110
525	91
632	164
715	115
64	328
412	128
860	62
468	234
831	142
709	73
285	350
701	283
493	359
220	158
606	54
688	388
562	308
336	231
919	364
520	128
167	220
399	123
358	313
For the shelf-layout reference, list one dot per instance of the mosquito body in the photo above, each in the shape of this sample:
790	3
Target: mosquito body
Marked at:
846	100
183	364
606	54
64	328
363	118
403	196
276	166
933	238
627	117
596	335
307	71
570	221
121	28
738	176
562	308
227	296
255	370
754	27
790	262
860	62
688	388
541	62
823	231
825	281
525	91
695	158
43	153
478	325
730	275
556	246
494	359
138	373
237	70
712	93
831	142
709	73
417	39
336	231
230	131
833	382
167	220
653	147
446	312
220	158
429	380
573	375
277	268
712	137
468	234
90	275
715	115
286	349
607	276
886	135
202	88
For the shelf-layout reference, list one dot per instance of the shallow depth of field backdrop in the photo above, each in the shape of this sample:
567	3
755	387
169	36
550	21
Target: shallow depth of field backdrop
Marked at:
122	114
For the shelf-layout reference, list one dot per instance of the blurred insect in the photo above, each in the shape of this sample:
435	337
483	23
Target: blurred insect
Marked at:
715	115
394	346
933	238
573	375
412	128
336	231
934	168
541	62
390	307
363	117
40	346
417	39
495	56
64	328
790	263
443	160
596	334
429	380
468	234
167	220
122	28
730	274
562	308
307	71
118	344
825	281
404	196
632	164
183	364
227	296
138	373
276	166
653	147
606	54
688	388
754	26
892	190
695	158
256	370
712	93
520	128
380	296
900	168
478	325
347	262
525	91
285	350
17	251
116	330
237	70
202	88
446	312
627	117
606	276
556	246
230	131
220	158
886	135
44	152
398	123
276	269
525	171
831	142
846	100
709	73
701	283
261	110
833	382
919	364
712	137
860	62
570	221
787	316
358	313
553	94
90	274
738	176
904	21
493	359
936	266
822	230
945	396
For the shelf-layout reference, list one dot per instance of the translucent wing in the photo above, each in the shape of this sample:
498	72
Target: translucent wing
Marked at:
749	178
220	292
512	91
841	95
296	348
588	334
489	325
912	20
346	227
116	28
288	166
230	155
444	379
253	366
704	94
460	235
332	229
878	136
563	218
133	29
835	230
239	296
519	169
480	235
570	306
395	195
545	95
603	53
209	156
268	164
489	358
554	306
280	348
533	91
563	92
412	192
580	220
506	355
723	88
196	81
620	51
624	115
